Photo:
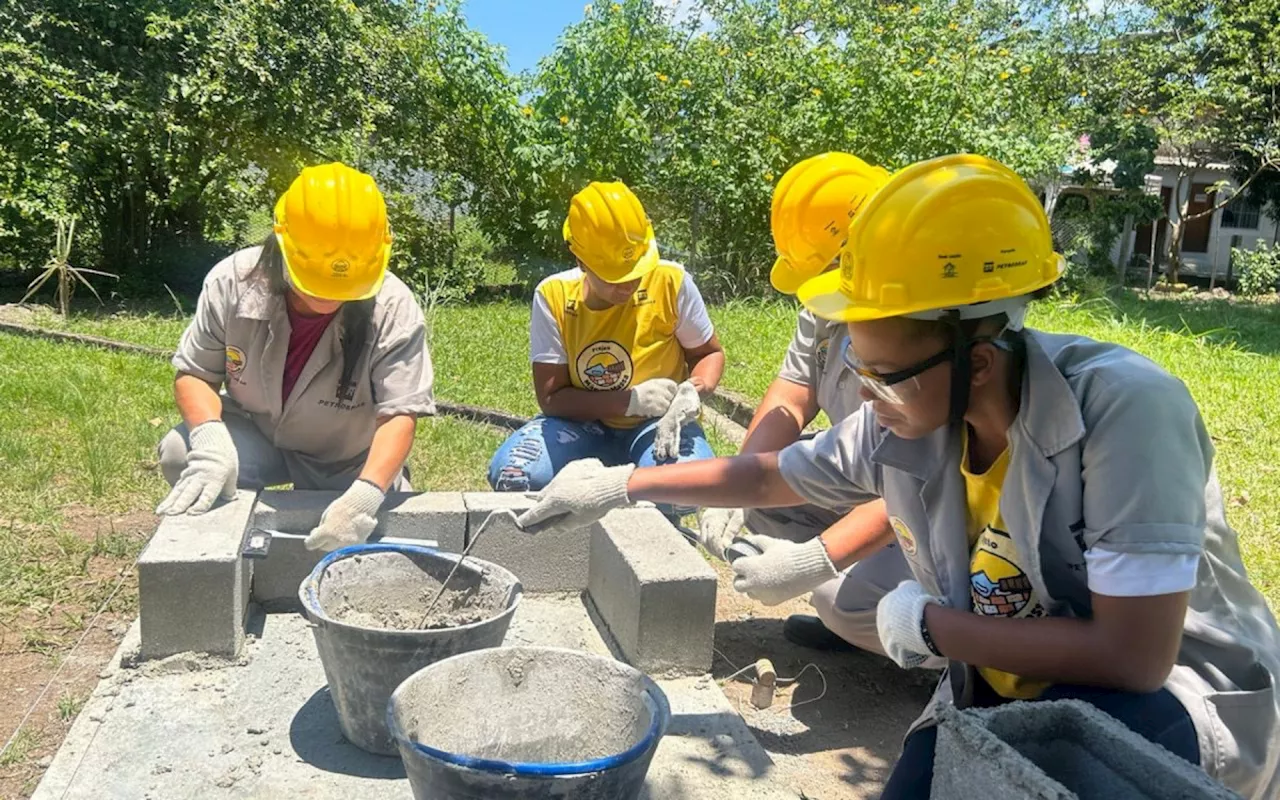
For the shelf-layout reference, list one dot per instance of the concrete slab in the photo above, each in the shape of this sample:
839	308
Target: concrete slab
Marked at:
545	562
430	517
193	585
654	592
266	728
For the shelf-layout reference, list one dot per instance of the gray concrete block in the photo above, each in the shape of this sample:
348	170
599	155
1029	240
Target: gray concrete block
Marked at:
1057	750
193	585
427	515
436	518
544	562
653	591
440	516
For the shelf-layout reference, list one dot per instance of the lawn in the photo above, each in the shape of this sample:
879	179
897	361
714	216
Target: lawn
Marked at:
1229	356
78	477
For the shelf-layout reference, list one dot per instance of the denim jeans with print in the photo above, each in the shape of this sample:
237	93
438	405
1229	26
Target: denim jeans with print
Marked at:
531	456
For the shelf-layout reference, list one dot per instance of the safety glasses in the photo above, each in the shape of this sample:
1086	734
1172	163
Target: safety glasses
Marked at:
893	387
900	386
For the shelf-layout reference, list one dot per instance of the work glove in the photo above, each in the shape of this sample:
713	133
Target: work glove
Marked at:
717	528
213	467
651	398
900	623
581	493
349	519
783	570
684	408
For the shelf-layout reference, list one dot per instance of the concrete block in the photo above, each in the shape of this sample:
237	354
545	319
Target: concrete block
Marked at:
427	515
193	585
653	591
1057	750
404	515
433	518
544	562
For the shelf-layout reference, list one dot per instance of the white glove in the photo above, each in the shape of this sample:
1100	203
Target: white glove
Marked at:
213	467
783	569
684	408
349	519
581	493
899	621
651	398
717	528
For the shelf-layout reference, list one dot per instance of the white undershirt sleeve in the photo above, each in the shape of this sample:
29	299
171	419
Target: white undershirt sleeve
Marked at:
1128	574
693	325
546	346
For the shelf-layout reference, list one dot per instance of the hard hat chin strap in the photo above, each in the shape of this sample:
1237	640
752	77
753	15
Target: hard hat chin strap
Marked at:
961	369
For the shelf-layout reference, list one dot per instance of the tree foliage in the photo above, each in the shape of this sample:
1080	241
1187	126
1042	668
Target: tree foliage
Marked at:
170	126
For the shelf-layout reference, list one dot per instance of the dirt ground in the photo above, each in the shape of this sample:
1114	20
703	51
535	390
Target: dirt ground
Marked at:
839	746
33	645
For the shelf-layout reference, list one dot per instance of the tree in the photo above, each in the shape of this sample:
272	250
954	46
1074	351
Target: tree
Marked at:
1216	66
169	125
703	116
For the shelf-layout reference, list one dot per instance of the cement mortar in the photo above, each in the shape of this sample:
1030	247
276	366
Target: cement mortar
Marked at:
403	590
534	705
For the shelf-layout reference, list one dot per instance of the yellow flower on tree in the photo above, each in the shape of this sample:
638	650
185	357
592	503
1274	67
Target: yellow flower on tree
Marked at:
686	83
528	112
917	73
915	9
816	92
662	77
933	60
954	27
715	162
564	120
879	29
1004	76
768	176
1025	70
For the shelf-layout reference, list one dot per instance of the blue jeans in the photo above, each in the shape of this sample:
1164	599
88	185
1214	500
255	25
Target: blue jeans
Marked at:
1157	716
531	456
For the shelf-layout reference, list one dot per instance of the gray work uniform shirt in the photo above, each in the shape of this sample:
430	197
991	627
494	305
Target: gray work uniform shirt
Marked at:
1108	451
815	359
239	338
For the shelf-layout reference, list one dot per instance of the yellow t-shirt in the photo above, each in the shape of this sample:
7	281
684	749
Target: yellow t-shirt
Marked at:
624	345
998	584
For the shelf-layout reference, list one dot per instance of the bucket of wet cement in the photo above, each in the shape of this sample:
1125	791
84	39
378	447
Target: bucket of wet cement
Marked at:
528	722
366	605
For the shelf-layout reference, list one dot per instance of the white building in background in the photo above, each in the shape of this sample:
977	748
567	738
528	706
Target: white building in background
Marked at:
1207	242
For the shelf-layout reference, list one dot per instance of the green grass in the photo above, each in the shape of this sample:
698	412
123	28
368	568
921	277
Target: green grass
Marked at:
84	414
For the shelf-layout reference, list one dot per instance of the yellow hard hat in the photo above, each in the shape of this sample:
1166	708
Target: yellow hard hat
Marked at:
812	207
608	231
959	233
332	228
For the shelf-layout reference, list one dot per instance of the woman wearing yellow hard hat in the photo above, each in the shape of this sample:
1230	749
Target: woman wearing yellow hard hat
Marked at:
622	352
1053	495
813	205
306	363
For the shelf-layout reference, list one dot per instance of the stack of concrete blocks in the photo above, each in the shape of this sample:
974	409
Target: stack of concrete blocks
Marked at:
648	587
1057	750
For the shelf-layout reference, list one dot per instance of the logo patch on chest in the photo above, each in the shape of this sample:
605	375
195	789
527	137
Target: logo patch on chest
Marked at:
906	539
235	360
604	366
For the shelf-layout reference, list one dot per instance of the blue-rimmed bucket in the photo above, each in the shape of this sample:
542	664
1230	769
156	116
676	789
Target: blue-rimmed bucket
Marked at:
365	604
528	722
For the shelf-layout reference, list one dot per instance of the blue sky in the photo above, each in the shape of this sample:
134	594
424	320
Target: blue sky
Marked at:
527	28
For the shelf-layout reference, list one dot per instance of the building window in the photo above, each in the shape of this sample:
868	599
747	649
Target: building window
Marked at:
1240	213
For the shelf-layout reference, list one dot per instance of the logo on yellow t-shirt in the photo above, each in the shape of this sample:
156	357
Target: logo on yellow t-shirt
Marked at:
604	366
999	586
